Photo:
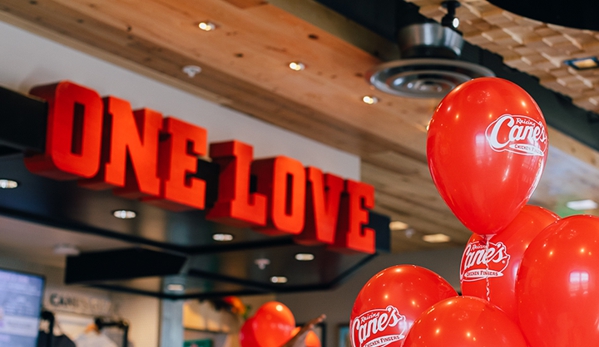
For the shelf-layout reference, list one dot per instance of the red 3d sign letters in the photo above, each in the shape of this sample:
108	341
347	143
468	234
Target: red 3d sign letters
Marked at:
323	198
128	136
74	136
139	154
283	181
236	206
181	144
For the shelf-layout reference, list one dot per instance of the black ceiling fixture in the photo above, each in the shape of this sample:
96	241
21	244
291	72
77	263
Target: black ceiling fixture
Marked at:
450	20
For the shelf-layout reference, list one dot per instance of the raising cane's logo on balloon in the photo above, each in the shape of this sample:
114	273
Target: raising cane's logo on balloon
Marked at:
517	134
481	261
378	327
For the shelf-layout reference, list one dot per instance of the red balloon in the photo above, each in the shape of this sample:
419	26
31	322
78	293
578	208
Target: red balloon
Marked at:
486	150
489	266
391	301
558	285
311	339
247	338
464	321
273	324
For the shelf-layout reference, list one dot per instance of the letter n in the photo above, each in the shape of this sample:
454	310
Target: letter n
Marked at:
130	151
180	146
74	132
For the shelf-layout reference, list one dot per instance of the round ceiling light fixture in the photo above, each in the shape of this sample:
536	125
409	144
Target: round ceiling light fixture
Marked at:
124	214
425	77
429	67
8	183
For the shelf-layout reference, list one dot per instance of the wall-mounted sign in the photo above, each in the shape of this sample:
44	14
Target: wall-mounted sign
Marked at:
61	301
139	154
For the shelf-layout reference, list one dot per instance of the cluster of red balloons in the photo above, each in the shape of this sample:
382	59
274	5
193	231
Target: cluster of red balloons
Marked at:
528	278
272	325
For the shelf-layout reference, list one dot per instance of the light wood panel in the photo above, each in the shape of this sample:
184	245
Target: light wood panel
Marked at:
244	66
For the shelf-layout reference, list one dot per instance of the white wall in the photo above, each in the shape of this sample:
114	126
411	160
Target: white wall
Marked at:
29	60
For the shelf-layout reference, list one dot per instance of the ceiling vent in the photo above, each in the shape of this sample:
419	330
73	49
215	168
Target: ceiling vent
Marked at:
429	67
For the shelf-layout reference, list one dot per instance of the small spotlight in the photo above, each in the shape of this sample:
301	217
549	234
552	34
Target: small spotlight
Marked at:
278	279
66	249
304	257
124	214
397	225
191	70
175	287
262	263
207	26
582	205
450	20
583	63
370	100
296	66
436	238
222	237
8	184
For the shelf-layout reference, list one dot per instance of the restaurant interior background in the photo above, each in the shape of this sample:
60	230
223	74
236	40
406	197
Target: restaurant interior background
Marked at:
235	80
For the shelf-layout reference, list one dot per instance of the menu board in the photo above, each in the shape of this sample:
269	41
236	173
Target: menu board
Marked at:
20	306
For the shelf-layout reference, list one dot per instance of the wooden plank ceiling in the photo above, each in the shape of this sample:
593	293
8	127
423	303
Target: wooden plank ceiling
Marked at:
244	67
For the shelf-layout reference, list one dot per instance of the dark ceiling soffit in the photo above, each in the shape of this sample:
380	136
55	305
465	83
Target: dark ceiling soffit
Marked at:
580	14
121	264
251	287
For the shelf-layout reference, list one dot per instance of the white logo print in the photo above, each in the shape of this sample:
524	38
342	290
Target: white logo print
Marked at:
482	261
378	328
517	134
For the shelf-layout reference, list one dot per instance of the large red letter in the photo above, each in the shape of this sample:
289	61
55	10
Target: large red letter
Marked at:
130	155
180	145
74	134
358	197
283	181
235	205
323	194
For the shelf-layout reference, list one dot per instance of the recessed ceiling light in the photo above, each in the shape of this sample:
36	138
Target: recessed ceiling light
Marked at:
397	225
296	66
207	26
278	279
583	63
436	238
8	184
175	287
304	257
66	249
581	205
124	214
370	100
222	237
